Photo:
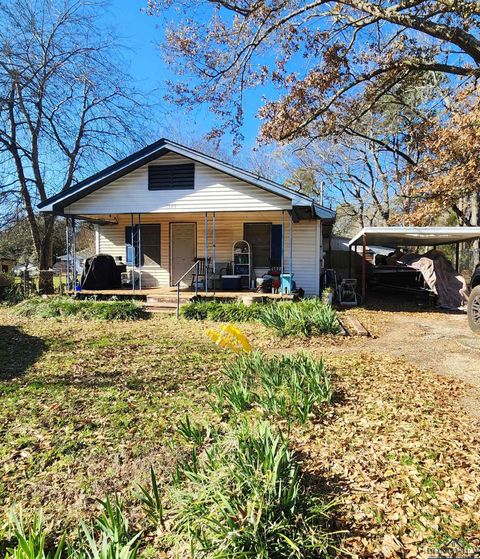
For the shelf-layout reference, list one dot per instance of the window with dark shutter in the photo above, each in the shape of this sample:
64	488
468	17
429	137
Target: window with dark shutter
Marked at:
148	238
259	237
266	242
171	177
150	241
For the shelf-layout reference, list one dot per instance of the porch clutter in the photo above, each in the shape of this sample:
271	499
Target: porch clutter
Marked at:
231	283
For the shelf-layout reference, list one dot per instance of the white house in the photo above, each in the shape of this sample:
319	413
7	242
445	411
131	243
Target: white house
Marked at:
166	205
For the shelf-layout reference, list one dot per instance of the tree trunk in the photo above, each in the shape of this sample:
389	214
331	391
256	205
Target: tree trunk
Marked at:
45	259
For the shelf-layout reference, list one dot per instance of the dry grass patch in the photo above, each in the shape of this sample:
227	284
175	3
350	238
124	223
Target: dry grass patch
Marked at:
400	455
86	409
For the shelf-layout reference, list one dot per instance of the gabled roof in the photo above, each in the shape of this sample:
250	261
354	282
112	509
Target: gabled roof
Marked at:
58	202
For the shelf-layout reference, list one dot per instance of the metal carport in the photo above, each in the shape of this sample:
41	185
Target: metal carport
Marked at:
410	236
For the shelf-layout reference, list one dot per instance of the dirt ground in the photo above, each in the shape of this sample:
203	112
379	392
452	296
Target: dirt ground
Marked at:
435	340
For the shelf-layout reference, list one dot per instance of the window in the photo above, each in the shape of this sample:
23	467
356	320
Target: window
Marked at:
146	236
266	242
171	177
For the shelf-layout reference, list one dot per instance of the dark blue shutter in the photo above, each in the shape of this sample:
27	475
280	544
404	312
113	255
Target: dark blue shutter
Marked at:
276	246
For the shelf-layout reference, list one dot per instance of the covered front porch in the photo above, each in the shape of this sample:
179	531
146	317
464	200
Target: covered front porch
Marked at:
163	251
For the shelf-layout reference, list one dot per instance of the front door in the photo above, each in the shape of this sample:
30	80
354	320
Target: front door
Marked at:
183	240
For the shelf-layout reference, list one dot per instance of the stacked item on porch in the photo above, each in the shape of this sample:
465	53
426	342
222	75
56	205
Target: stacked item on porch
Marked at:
100	272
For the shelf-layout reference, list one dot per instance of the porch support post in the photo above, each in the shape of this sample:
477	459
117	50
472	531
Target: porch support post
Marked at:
364	268
206	253
457	257
282	264
349	261
214	251
132	242
291	251
67	240
74	253
139	251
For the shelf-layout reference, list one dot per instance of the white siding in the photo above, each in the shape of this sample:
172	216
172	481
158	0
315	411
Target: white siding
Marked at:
229	228
214	191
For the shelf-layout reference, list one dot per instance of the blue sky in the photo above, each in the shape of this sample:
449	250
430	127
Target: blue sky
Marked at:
142	34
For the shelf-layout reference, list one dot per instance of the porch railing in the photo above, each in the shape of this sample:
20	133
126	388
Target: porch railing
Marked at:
177	285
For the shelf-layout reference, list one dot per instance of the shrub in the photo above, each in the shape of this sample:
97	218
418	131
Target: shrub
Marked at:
10	291
244	497
308	317
87	309
290	387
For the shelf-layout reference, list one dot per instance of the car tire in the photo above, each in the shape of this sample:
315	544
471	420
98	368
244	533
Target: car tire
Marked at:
473	310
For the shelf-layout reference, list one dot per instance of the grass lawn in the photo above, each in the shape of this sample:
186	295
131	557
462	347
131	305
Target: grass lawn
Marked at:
88	407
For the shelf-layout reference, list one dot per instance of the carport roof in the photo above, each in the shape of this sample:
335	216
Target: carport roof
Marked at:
415	236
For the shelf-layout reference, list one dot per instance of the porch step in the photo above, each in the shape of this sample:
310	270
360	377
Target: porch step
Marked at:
168	299
165	307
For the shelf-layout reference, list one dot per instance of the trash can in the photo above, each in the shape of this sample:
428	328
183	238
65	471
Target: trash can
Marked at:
287	283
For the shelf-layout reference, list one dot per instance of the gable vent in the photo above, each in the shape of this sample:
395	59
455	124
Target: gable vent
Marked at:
171	177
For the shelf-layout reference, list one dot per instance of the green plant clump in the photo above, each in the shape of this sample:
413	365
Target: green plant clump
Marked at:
108	538
53	307
292	387
308	317
244	497
222	312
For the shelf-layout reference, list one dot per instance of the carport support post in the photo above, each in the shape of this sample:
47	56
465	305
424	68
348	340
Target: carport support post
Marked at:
364	268
349	261
457	256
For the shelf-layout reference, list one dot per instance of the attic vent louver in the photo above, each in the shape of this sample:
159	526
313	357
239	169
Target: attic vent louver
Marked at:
171	177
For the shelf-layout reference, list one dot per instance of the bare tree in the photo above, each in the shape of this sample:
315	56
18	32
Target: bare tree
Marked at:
330	61
65	105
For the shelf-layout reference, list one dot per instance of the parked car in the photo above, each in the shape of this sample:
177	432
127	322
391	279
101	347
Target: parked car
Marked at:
473	308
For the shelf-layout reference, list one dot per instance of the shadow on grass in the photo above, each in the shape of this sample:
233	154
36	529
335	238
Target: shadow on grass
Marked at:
18	351
385	300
